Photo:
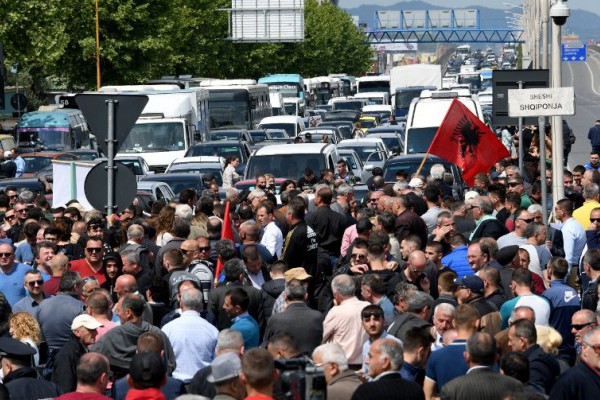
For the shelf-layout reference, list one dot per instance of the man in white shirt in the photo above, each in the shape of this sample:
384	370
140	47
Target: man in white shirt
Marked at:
574	238
193	338
272	237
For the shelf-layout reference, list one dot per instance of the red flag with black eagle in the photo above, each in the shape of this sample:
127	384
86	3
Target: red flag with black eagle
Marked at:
463	139
226	233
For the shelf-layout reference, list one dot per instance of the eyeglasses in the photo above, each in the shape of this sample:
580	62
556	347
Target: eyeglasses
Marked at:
39	282
579	327
375	315
595	347
22	210
595	219
528	220
6	254
207	248
358	256
94	249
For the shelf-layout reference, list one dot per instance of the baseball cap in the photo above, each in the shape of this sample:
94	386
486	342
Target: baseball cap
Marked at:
472	282
147	370
86	321
296	273
225	367
415	183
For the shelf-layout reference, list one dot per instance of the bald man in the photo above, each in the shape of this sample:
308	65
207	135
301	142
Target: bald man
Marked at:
413	273
249	234
127	284
59	264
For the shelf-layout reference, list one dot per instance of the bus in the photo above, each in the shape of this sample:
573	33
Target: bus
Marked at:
463	52
237	103
59	130
348	84
379	83
324	88
289	85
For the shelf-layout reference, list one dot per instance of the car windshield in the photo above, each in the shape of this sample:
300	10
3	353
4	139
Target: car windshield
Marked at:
197	169
367	123
365	151
410	167
278	134
34	164
151	137
214	150
391	142
134	165
177	185
285	165
225	135
44	138
288	128
419	139
258	136
351	161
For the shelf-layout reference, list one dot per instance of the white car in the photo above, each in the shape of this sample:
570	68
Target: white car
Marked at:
372	151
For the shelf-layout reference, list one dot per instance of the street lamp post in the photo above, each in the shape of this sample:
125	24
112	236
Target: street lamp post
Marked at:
559	14
98	83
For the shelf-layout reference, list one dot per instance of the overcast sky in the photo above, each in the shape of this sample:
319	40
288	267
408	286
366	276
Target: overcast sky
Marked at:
589	5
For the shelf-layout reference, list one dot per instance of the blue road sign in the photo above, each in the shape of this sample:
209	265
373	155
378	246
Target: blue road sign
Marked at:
574	52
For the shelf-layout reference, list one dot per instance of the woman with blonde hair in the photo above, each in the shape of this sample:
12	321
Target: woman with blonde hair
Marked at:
550	340
24	327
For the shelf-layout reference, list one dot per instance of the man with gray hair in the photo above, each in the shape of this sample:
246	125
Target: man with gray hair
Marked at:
343	323
228	341
345	202
486	224
191	332
341	381
443	319
420	306
385	361
185	212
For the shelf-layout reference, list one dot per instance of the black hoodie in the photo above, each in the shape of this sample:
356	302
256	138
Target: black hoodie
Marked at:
271	291
543	369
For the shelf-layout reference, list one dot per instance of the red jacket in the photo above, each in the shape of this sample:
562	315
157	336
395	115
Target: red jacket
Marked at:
145	394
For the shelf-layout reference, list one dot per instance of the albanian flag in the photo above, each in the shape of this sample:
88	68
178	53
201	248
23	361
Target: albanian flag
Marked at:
463	139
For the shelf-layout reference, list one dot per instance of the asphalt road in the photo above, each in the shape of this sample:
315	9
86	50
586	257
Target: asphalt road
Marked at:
585	77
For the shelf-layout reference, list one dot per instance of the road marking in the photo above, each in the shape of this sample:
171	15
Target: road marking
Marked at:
592	77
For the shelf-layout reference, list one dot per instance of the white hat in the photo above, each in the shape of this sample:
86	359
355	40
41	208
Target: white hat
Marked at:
415	183
86	321
471	195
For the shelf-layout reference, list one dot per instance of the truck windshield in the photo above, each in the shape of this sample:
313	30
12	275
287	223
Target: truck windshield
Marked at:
347	105
404	97
153	137
229	114
285	165
374	86
290	109
44	138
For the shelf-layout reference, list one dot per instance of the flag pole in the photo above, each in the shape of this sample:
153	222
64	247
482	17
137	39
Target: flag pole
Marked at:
422	163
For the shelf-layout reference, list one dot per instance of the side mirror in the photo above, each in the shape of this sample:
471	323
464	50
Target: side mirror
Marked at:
369	167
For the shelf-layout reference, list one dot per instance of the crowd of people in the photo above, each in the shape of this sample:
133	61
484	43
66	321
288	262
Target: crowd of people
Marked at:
409	293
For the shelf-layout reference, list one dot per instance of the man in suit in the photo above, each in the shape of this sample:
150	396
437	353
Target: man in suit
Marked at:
480	382
303	323
385	360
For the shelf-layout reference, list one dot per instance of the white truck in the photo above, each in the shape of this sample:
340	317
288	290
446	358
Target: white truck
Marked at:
172	121
408	81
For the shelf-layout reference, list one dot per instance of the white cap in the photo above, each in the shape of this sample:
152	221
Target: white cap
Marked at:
415	183
86	321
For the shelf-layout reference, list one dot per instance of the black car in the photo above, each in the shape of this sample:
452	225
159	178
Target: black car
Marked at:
178	181
32	184
223	148
409	164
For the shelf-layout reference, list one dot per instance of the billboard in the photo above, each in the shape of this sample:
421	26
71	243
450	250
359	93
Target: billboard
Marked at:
440	19
415	19
388	19
267	20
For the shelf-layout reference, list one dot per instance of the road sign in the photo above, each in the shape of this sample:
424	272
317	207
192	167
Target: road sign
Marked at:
574	52
503	80
541	102
128	108
97	178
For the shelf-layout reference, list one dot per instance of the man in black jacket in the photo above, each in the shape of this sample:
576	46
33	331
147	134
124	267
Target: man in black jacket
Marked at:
300	247
486	224
385	360
19	377
543	367
327	224
84	328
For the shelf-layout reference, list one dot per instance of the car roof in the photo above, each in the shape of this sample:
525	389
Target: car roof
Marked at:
170	177
46	154
217	143
386	129
383	134
297	148
199	160
366	141
287	119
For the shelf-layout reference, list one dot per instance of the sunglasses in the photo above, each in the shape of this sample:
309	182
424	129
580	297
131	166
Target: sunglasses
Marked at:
528	220
39	282
595	347
9	216
595	219
94	249
358	256
6	254
579	327
14	196
207	248
376	316
22	210
513	184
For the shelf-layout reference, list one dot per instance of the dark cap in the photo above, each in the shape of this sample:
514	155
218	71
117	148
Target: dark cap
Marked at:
506	254
147	370
472	282
16	350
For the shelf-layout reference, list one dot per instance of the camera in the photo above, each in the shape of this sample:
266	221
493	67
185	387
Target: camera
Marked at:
559	13
301	379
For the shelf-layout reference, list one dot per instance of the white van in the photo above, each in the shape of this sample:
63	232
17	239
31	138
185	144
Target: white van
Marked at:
427	112
290	160
292	124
